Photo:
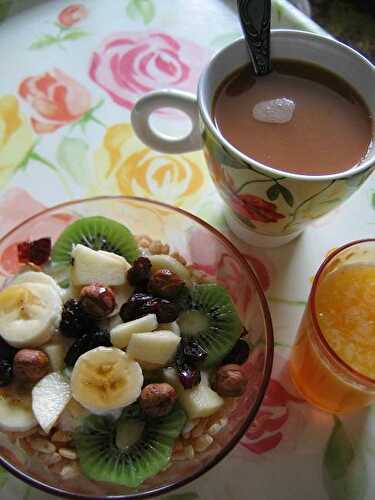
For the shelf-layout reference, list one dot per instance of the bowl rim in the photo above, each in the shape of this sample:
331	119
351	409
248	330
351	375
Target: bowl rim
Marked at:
263	386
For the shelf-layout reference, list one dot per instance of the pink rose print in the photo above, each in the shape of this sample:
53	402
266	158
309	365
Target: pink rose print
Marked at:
15	206
72	14
266	432
56	98
255	208
128	65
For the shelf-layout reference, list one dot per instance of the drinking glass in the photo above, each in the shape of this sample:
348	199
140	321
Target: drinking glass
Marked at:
318	371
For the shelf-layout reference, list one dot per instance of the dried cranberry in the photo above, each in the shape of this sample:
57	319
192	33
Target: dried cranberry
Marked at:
238	355
136	306
7	352
193	353
85	343
75	322
140	272
6	372
166	311
189	376
36	252
141	304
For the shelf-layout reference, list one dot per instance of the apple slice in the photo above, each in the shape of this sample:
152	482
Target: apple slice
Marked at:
200	401
49	399
154	347
91	266
120	335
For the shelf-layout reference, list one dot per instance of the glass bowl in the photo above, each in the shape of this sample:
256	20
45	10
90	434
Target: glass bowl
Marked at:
207	250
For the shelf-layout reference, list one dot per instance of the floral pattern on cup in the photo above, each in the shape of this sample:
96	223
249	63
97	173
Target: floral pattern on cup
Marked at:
56	99
72	15
273	204
123	165
16	137
127	65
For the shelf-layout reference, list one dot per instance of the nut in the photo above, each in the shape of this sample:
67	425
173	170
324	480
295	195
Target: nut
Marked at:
166	284
202	443
157	400
30	365
98	301
230	381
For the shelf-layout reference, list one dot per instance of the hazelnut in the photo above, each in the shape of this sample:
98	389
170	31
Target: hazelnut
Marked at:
230	381
157	400
30	365
97	301
166	284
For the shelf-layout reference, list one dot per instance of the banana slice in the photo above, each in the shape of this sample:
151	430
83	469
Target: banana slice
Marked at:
29	314
16	414
105	379
36	277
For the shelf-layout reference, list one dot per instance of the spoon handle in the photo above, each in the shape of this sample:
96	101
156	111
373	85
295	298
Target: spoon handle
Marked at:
255	16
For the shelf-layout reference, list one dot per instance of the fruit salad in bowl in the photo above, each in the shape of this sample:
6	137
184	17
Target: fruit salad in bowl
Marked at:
135	349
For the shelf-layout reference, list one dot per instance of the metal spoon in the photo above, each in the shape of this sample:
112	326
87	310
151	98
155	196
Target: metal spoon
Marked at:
255	17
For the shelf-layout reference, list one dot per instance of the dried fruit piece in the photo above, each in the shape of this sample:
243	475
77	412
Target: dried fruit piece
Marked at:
140	304
74	320
239	354
85	343
166	284
157	400
97	301
37	251
7	352
6	372
189	376
192	351
140	272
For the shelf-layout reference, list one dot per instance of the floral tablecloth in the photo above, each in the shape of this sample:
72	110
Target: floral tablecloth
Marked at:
69	76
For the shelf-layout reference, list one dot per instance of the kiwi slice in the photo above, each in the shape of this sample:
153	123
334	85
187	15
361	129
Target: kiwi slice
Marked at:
101	458
212	321
98	233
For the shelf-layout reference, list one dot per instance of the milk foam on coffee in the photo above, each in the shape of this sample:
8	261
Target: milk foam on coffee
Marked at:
274	111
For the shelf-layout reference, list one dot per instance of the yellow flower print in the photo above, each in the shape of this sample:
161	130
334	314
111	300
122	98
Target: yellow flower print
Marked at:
16	137
126	166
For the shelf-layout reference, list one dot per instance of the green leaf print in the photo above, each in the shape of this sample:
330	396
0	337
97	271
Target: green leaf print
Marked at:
373	200
344	469
72	156
44	41
273	192
287	195
74	35
141	9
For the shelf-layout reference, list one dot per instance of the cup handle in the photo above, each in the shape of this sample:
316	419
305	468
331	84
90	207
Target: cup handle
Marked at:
183	101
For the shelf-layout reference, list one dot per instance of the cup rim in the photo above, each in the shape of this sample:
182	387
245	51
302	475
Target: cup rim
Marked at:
234	440
316	328
206	116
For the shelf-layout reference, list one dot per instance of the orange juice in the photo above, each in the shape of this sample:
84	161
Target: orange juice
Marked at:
333	359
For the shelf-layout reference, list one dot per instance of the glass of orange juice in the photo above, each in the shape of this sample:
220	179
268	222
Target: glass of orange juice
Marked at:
333	358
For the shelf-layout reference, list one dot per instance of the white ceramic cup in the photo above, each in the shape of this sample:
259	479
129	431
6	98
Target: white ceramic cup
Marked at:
277	209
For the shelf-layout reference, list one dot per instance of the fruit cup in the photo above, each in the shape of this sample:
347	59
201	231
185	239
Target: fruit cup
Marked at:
206	250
